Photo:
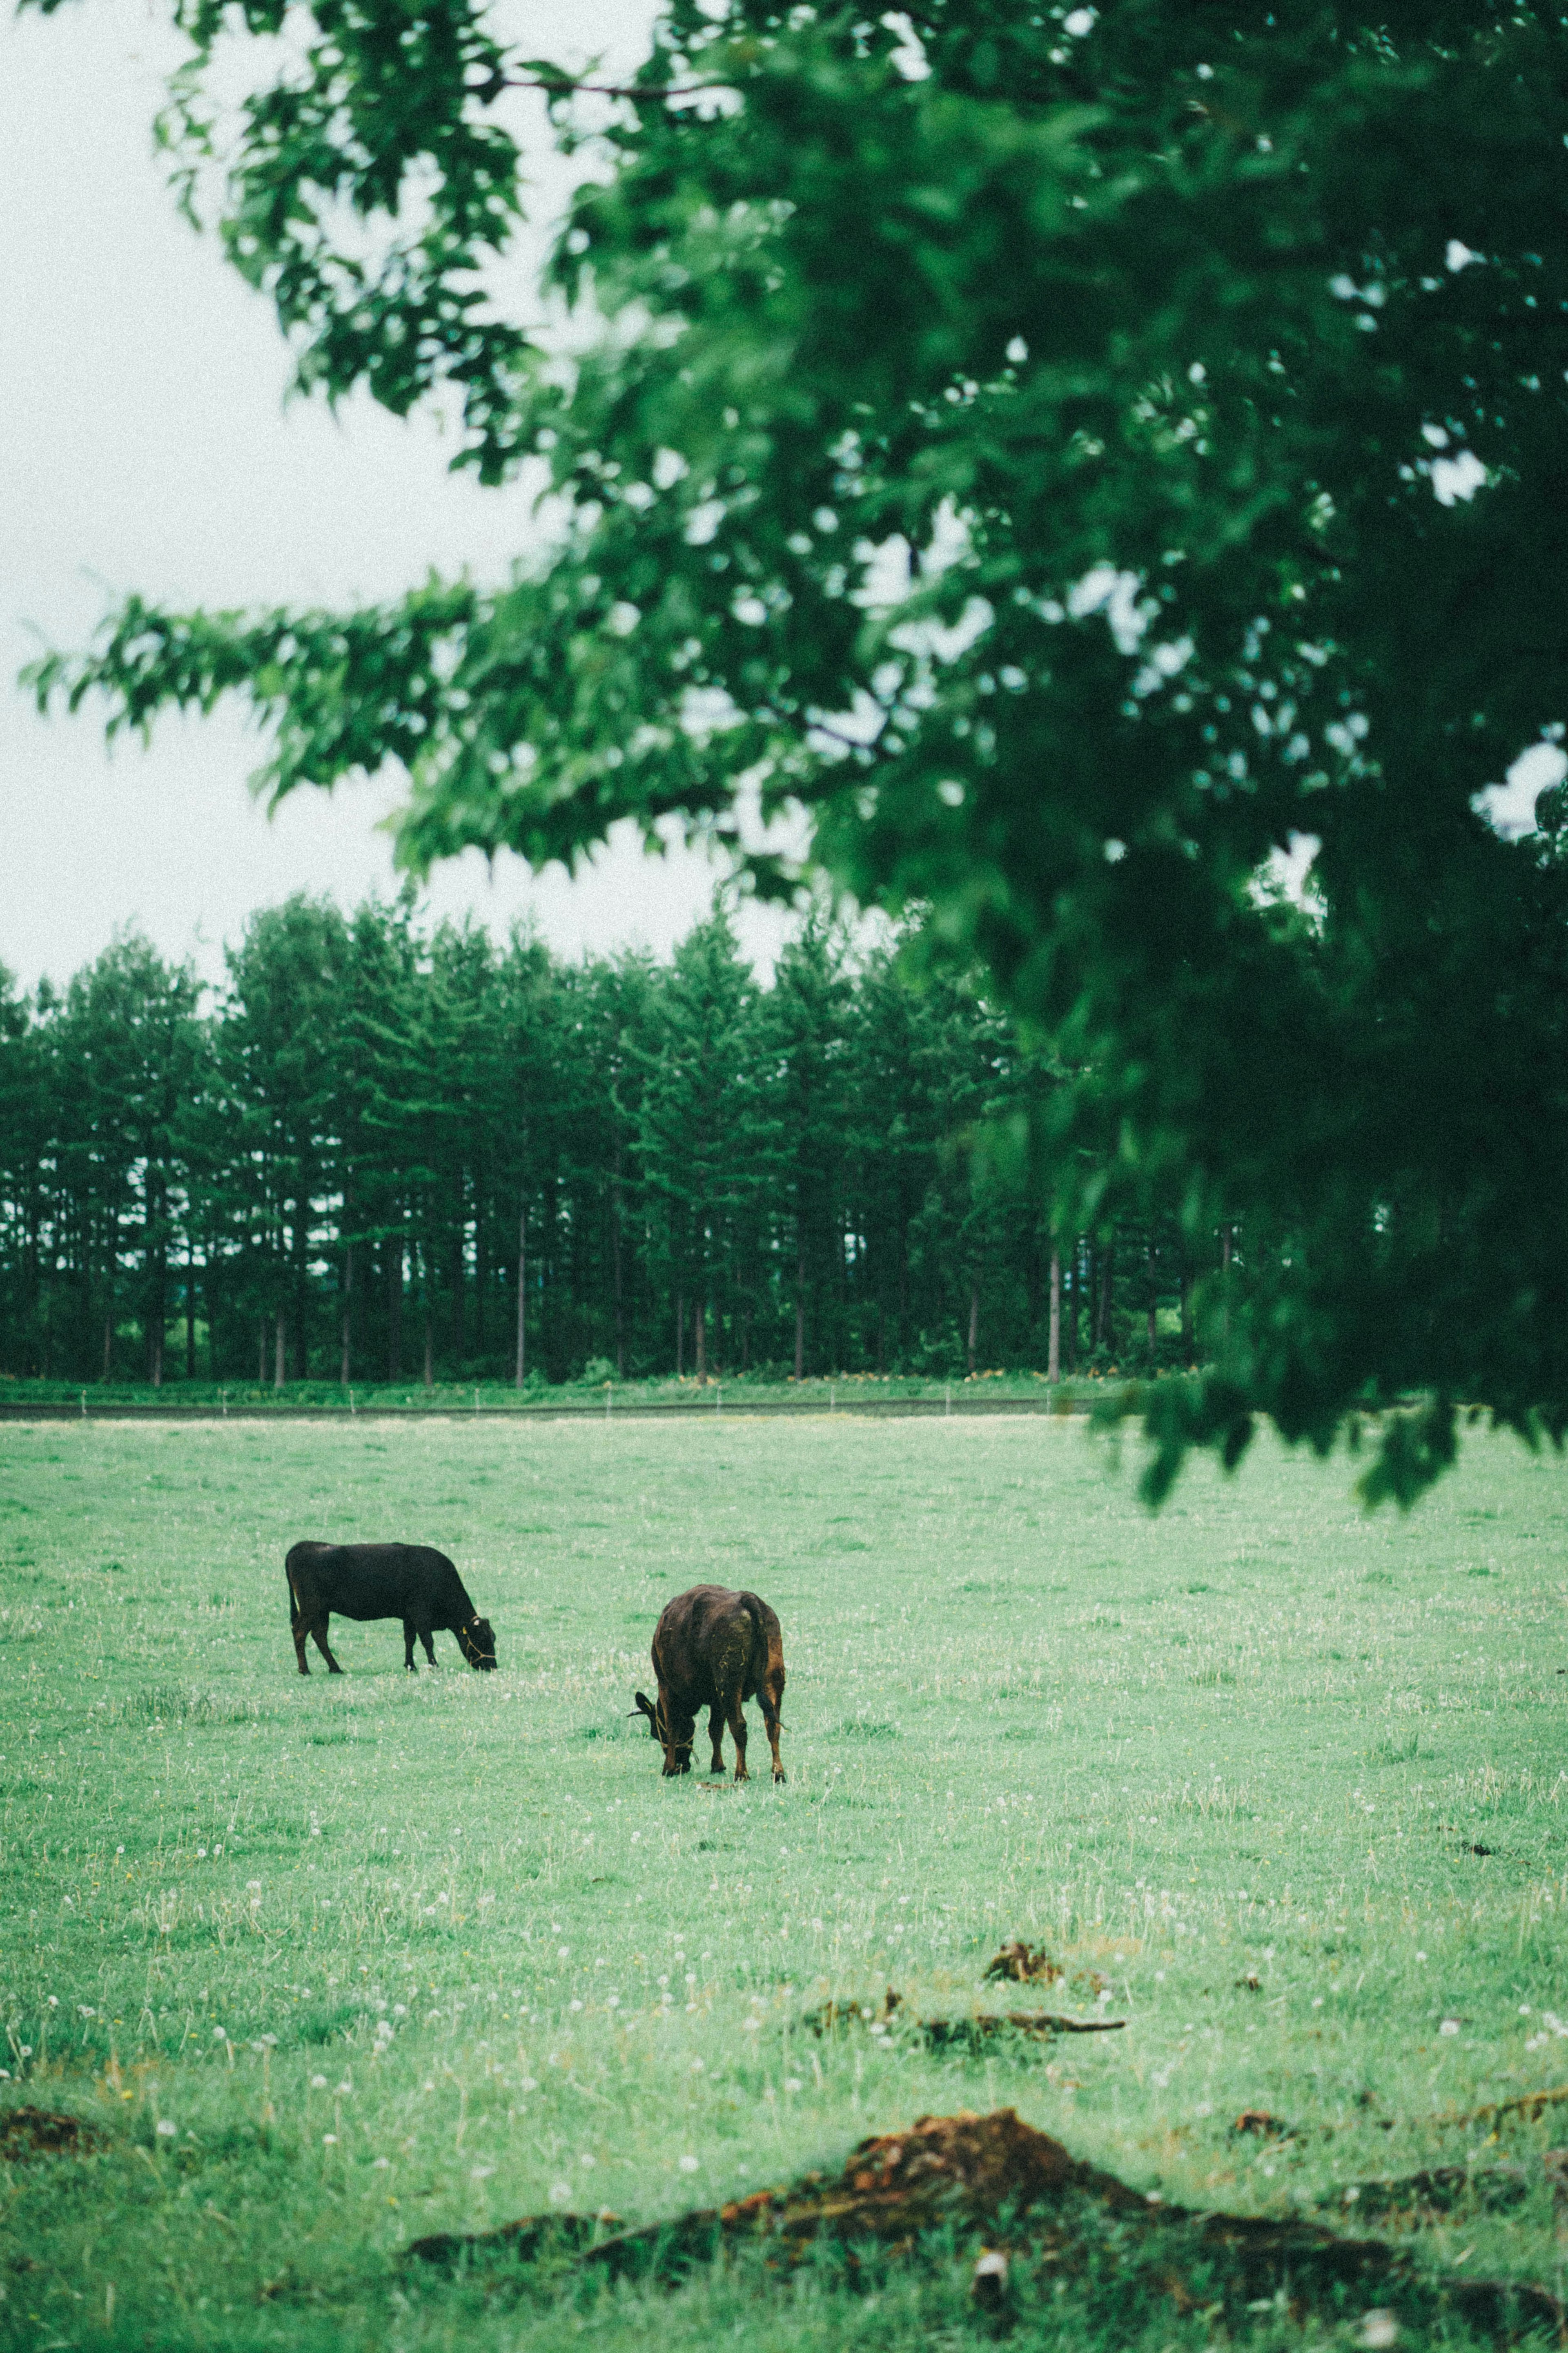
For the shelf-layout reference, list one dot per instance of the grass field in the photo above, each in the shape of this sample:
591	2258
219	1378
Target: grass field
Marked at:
334	1965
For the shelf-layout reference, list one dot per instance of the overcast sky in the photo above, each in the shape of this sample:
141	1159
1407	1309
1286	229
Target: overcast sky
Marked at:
145	443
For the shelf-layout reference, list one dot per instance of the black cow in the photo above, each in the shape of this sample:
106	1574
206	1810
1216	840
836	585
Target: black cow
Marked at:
712	1649
413	1582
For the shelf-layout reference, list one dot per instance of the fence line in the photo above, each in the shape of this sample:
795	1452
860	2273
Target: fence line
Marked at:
357	1408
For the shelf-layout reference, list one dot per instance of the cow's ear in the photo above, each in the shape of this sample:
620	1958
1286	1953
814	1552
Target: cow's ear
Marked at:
644	1705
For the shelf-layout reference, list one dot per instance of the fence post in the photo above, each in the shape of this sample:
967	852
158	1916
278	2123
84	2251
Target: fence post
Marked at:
947	1394
717	1386
84	1405
609	1393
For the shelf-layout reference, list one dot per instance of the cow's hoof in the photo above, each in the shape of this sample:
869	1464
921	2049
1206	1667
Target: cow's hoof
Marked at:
780	1775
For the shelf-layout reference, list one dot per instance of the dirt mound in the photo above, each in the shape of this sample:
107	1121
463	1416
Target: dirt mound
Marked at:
973	2186
43	2132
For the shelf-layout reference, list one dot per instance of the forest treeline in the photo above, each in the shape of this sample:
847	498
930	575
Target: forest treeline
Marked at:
382	1150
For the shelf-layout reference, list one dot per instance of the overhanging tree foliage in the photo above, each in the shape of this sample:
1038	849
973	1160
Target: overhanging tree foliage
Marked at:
1073	456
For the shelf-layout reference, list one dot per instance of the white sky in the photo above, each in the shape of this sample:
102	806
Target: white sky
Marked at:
145	444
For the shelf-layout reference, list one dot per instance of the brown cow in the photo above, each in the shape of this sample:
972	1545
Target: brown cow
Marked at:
712	1649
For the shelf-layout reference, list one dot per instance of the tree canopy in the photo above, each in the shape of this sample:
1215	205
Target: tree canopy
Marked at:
384	1145
1081	459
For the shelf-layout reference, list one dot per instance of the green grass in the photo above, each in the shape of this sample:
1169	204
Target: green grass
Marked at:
394	1954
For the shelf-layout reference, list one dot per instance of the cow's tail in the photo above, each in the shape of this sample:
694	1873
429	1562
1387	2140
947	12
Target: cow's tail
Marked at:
293	1591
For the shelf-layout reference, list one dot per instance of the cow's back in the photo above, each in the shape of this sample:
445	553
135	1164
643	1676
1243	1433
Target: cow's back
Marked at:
711	1640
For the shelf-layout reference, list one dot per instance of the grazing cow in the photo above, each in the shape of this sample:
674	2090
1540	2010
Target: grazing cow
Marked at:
712	1649
413	1582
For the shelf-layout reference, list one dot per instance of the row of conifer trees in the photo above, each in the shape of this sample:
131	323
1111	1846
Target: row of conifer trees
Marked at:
387	1151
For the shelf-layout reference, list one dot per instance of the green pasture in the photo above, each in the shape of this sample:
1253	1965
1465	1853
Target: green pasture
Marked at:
333	1965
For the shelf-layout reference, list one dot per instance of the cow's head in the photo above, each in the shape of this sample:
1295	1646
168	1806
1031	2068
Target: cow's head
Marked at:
479	1640
674	1734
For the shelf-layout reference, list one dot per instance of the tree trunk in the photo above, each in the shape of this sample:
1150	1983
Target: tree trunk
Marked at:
347	1374
459	1276
1103	1325
280	1360
799	1308
881	1337
261	1353
522	1374
1075	1303
1053	1355
1153	1305
699	1338
1225	1236
1187	1294
616	1266
973	1319
109	1304
679	1334
394	1310
429	1334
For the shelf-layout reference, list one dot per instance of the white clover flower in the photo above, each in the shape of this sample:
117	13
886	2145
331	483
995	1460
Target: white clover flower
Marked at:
167	2128
688	2165
318	2082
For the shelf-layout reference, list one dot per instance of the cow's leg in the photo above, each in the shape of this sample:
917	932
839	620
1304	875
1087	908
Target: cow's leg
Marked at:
297	1628
425	1633
771	1719
716	1735
408	1646
319	1636
738	1734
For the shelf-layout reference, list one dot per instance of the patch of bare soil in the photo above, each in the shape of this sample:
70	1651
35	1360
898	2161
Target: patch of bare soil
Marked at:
970	2032
1438	2190
1021	1964
987	2188
43	2132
